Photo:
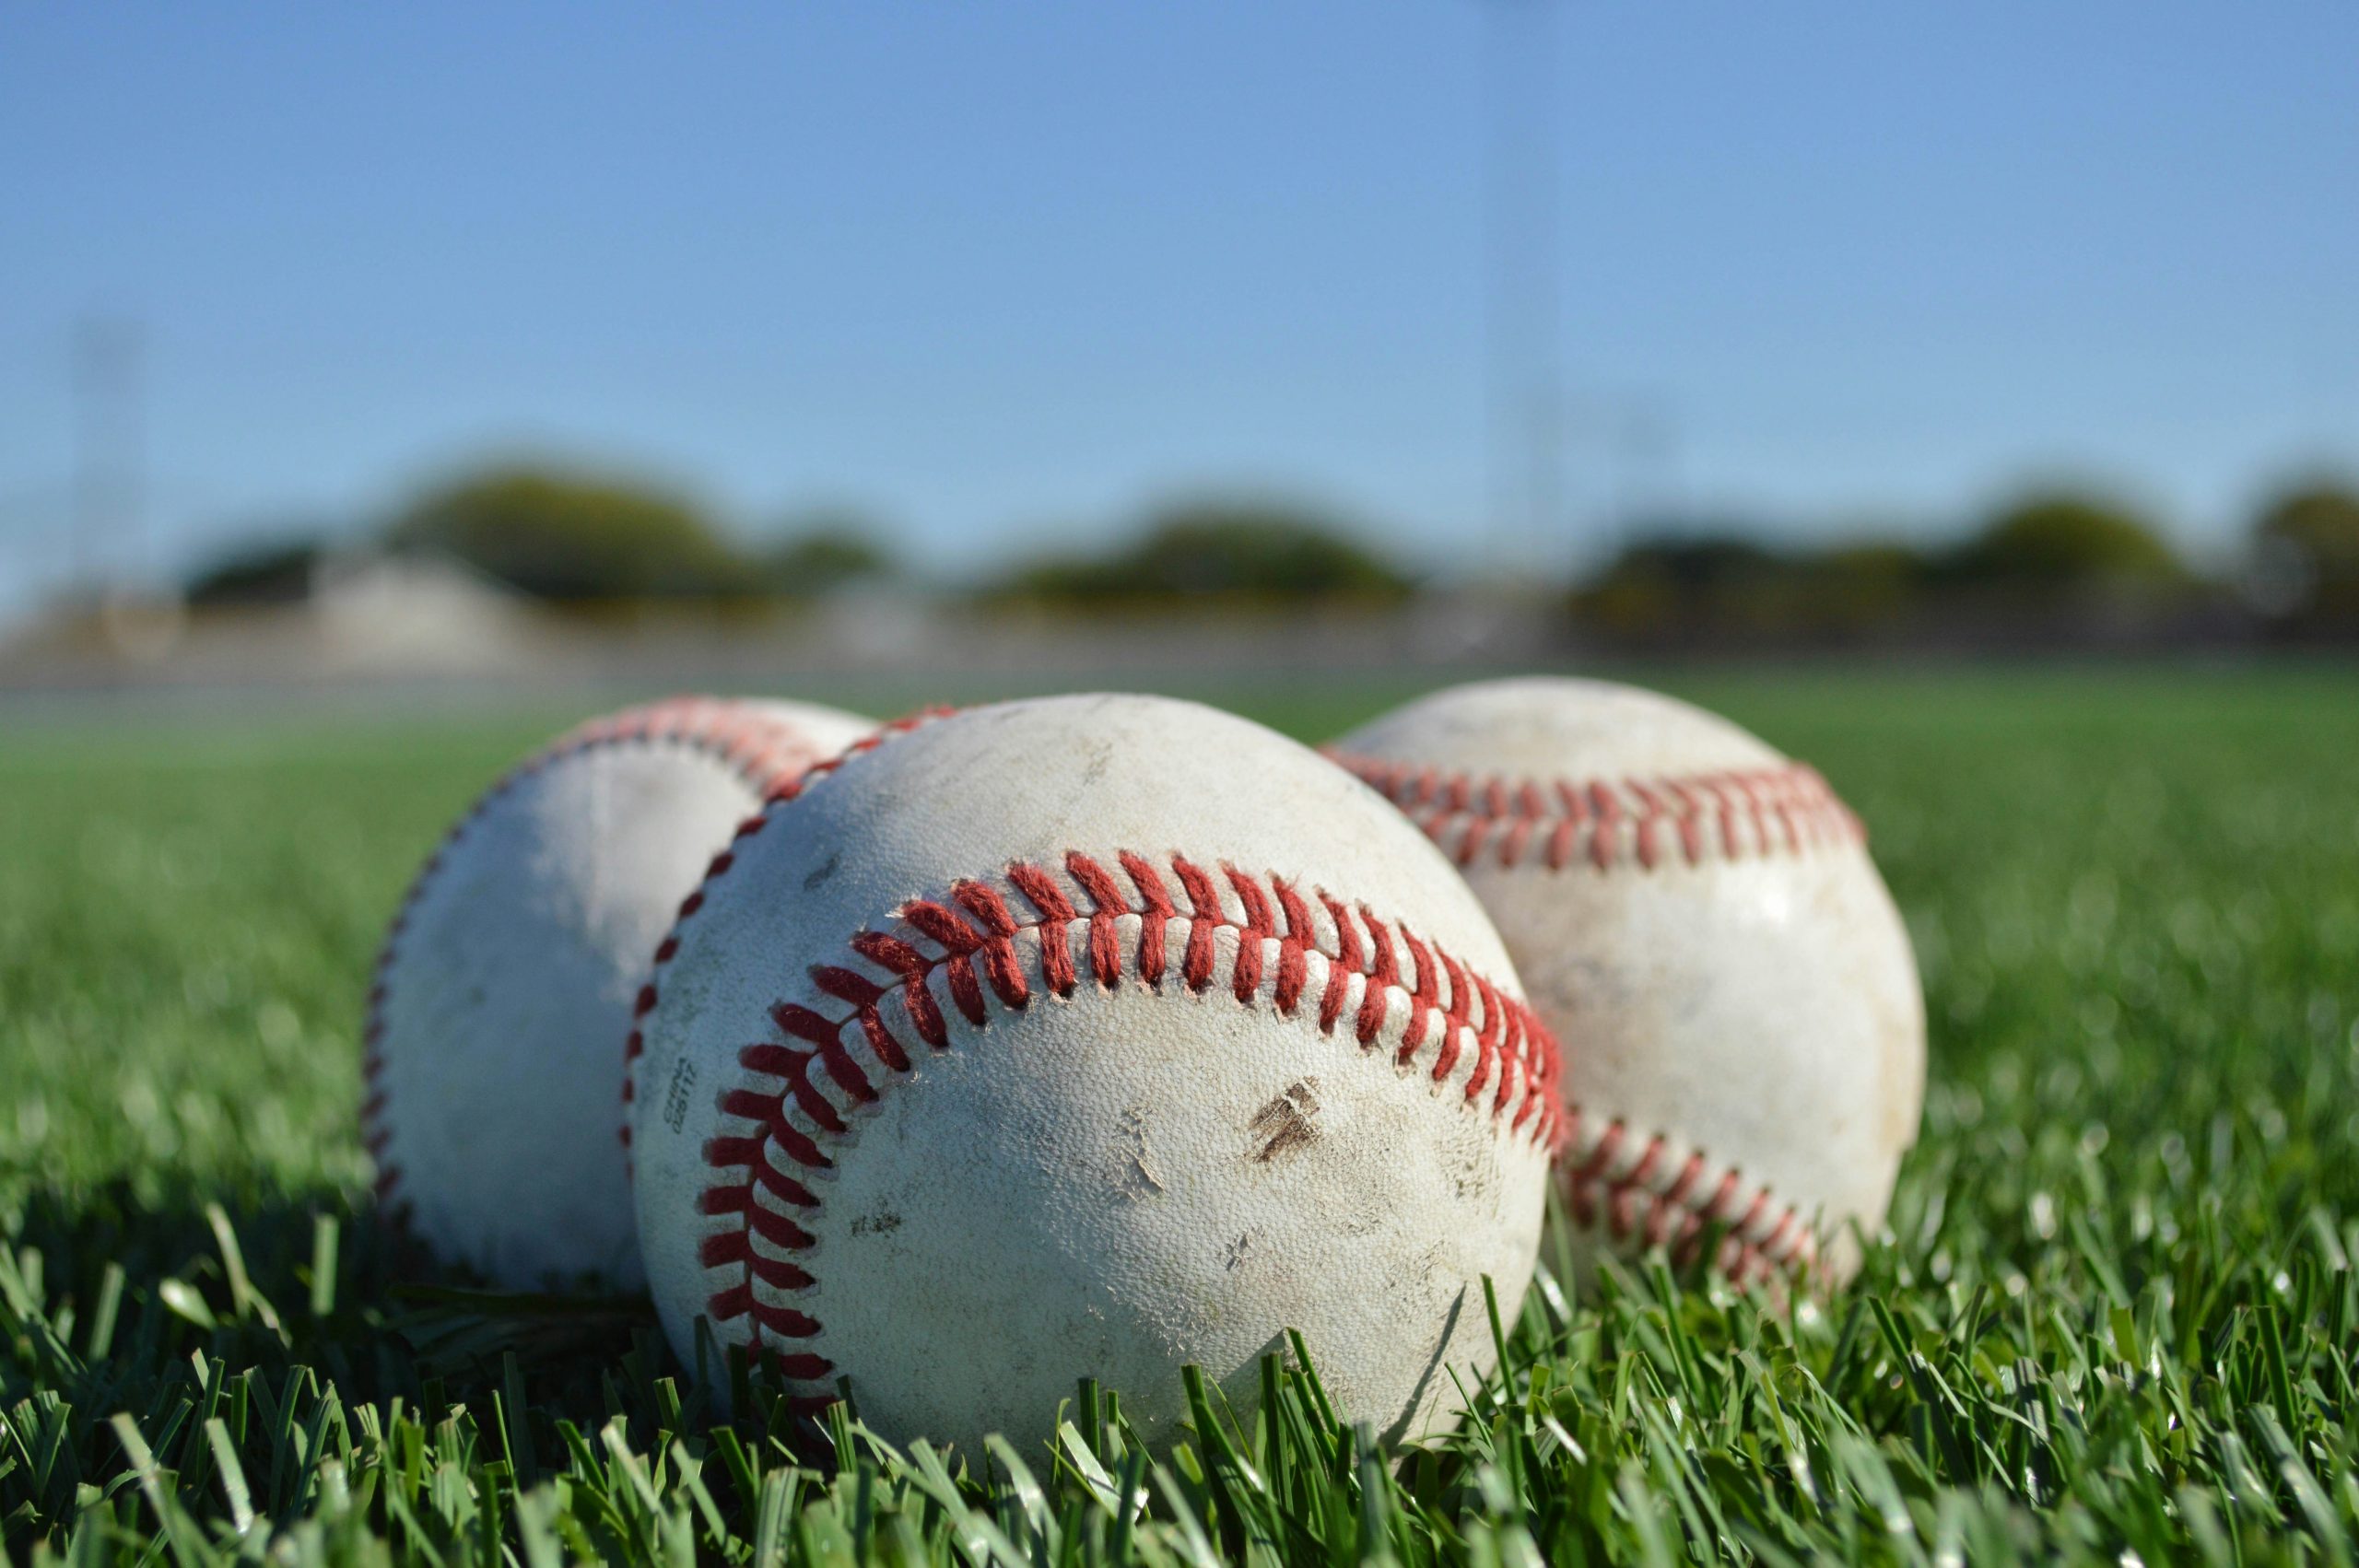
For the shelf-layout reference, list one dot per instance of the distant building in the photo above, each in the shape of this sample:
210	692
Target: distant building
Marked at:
358	614
416	614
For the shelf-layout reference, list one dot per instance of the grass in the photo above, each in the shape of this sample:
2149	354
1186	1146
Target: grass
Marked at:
2114	1321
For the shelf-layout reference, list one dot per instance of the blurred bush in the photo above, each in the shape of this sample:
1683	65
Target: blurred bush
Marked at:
2057	568
2065	546
2305	558
1236	553
275	571
574	539
1721	582
826	552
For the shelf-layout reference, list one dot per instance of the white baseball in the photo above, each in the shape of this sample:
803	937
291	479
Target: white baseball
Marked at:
1090	1035
1698	921
503	993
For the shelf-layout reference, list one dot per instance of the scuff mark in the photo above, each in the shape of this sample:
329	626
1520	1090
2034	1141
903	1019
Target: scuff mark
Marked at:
1284	1125
1134	1174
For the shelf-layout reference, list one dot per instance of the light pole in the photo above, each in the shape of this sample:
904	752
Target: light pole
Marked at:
1524	395
109	478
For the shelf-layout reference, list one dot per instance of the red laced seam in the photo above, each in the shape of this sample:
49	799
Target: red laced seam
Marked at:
785	788
757	747
1745	813
1618	1187
971	950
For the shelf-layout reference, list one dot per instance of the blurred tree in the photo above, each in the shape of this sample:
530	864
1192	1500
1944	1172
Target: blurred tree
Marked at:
2066	544
1716	581
2306	555
1239	551
274	572
1721	584
828	551
571	538
1869	585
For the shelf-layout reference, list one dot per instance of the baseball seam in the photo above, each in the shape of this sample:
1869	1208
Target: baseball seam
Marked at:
1638	1187
766	755
1257	937
785	790
1725	814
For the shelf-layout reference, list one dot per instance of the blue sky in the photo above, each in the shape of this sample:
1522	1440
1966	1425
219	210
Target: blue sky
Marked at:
1001	272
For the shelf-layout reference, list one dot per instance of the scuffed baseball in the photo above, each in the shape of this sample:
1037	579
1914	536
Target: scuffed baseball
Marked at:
503	992
1027	1045
1697	918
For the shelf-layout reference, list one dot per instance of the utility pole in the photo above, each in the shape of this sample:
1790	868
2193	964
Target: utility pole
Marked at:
1633	440
1525	395
1646	475
108	457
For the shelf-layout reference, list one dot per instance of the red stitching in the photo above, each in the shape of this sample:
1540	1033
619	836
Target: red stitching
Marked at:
974	940
775	794
753	744
1632	1192
1757	812
1611	1181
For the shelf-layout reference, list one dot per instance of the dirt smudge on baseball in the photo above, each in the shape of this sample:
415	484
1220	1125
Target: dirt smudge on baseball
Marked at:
1284	1125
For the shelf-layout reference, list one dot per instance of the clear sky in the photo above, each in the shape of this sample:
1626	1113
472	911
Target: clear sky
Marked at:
1002	269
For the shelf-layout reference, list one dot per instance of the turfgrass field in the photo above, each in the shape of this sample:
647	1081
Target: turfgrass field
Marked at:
2114	1320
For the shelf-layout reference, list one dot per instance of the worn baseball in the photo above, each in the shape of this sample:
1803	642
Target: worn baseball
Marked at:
1089	1036
503	992
1696	916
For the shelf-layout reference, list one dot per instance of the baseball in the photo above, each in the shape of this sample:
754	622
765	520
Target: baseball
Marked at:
1700	915
1090	1036
503	991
